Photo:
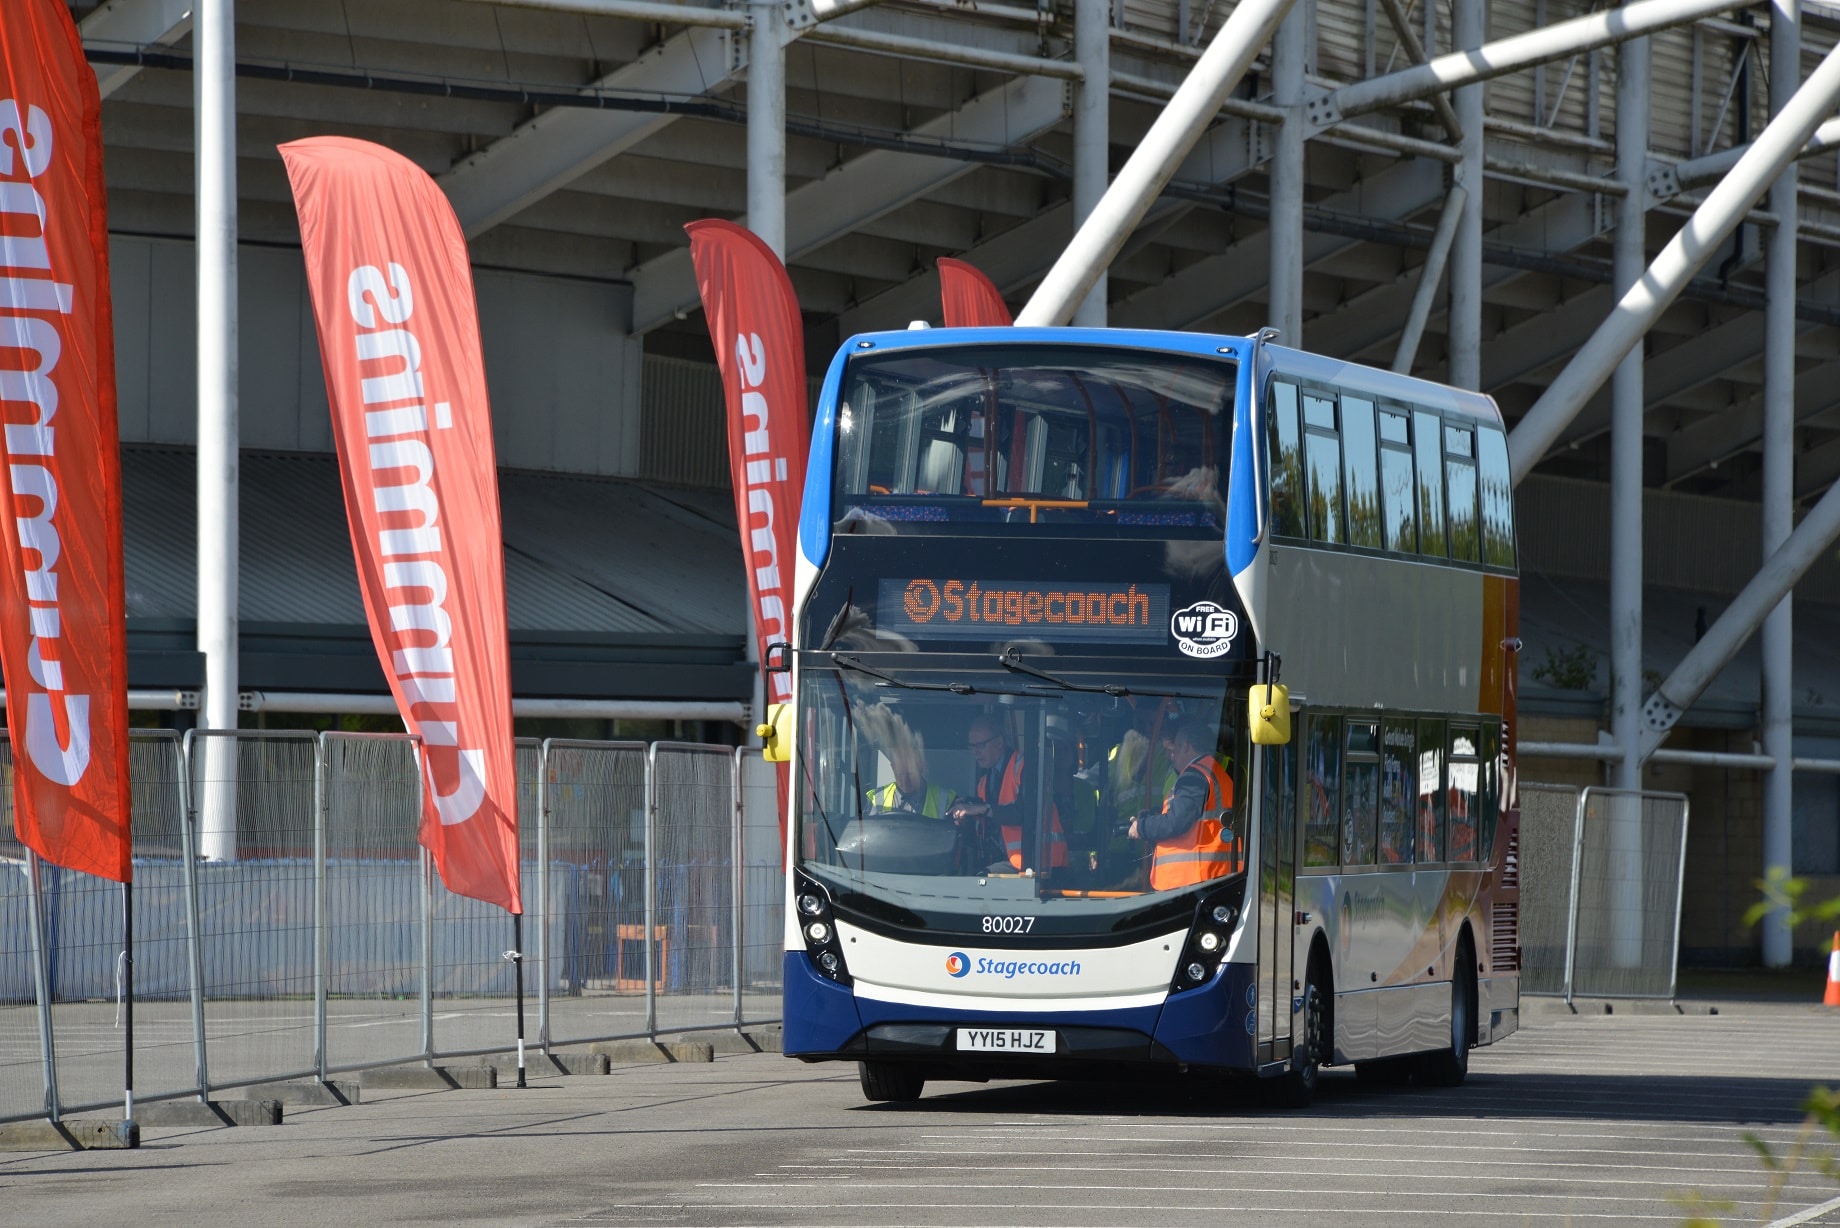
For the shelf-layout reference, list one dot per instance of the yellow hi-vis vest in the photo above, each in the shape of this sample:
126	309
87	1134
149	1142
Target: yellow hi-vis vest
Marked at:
934	805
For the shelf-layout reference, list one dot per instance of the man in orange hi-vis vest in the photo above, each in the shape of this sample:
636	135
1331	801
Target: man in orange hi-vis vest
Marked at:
1194	835
1000	773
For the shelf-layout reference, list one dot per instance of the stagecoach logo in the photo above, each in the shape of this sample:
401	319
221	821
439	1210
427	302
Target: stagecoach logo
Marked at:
957	964
1204	629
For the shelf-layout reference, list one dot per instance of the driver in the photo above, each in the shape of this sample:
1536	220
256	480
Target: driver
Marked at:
910	790
1193	832
1000	771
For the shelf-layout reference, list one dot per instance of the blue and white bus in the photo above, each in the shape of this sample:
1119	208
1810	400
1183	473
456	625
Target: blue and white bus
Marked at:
1044	575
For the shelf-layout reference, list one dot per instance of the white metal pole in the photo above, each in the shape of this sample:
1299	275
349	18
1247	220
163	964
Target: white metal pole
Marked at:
1711	224
1289	166
1465	335
1776	707
766	126
1092	45
1150	166
1629	258
1428	277
1558	41
214	101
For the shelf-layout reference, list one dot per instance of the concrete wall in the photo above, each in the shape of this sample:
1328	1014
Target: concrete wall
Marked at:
562	372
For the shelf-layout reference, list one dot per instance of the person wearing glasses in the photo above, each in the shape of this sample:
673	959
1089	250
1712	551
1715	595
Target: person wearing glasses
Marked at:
1001	776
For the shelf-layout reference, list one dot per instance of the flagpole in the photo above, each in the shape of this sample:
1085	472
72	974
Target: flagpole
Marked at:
517	959
129	1130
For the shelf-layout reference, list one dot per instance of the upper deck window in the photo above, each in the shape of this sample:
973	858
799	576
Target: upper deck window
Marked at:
1035	434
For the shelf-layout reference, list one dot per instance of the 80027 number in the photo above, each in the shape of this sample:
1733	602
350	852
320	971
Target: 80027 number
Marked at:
1008	925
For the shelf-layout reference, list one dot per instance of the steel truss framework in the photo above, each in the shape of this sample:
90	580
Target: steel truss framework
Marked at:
1377	178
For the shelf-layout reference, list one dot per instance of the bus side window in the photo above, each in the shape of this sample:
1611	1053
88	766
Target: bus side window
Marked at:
1398	499
1361	794
1497	498
1430	791
1465	781
1322	803
1426	434
1323	455
1362	473
1398	792
1460	481
1286	463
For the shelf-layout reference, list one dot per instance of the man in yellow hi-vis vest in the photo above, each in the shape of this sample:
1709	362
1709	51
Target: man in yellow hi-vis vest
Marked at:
1194	832
910	790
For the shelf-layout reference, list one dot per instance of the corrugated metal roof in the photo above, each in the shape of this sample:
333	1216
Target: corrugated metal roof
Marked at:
582	555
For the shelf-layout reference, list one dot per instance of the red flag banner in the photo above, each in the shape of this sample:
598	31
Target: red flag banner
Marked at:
760	347
399	339
970	300
63	630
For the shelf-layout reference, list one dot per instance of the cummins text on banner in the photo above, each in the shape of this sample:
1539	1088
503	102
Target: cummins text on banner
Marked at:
399	338
63	636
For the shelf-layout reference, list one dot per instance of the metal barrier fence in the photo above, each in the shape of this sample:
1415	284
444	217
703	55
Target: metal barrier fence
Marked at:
1601	875
1627	875
1549	832
288	924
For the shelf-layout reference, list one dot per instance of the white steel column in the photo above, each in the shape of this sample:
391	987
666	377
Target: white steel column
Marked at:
1468	17
1092	46
766	125
1779	484
1284	309
1195	104
1629	259
214	102
766	208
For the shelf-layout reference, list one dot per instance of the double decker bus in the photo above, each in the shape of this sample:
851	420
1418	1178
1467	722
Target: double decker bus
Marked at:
1044	575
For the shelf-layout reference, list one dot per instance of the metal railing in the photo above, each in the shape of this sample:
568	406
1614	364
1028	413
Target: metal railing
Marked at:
288	924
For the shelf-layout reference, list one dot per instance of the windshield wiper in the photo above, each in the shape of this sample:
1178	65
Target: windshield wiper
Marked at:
851	663
1011	659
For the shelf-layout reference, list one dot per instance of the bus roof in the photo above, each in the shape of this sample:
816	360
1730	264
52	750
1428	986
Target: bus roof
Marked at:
1278	359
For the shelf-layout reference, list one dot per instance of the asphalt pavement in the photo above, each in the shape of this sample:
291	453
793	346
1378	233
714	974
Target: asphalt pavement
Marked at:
1623	1118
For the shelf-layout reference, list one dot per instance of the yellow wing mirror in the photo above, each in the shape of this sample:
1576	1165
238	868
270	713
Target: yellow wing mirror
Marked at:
1268	714
776	734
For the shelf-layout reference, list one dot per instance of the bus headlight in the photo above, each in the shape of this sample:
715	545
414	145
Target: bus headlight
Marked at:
1216	913
819	930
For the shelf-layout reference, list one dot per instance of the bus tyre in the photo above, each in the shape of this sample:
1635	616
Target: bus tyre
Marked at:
886	1081
1296	1087
1448	1067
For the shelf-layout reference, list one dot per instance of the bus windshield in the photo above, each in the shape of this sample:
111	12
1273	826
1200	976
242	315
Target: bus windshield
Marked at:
936	800
1035	434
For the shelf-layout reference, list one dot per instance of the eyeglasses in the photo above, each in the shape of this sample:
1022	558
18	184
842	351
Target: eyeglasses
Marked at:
981	743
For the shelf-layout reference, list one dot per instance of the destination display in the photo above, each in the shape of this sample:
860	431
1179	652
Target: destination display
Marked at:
949	608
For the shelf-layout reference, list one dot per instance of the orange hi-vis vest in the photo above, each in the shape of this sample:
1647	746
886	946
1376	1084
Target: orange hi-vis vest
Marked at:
1201	854
1008	790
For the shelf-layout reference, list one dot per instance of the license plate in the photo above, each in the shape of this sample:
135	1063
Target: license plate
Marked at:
1005	1040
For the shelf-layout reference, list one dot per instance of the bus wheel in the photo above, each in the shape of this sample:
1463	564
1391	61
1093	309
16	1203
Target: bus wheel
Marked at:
1448	1067
888	1081
1296	1087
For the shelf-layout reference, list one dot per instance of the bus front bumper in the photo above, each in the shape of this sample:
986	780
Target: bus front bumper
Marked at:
1210	1027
